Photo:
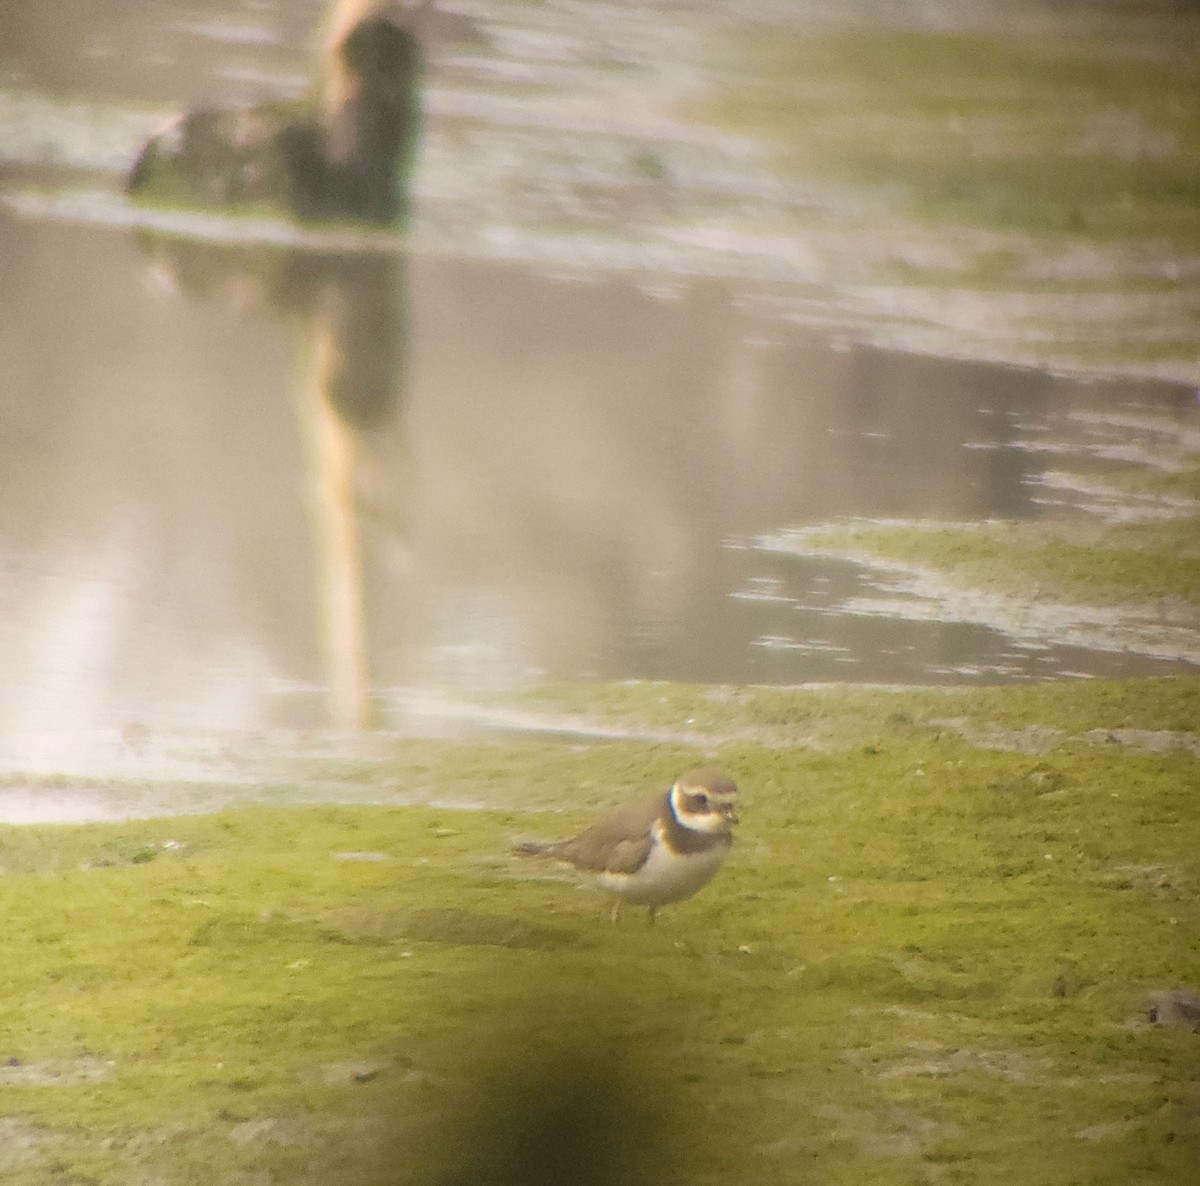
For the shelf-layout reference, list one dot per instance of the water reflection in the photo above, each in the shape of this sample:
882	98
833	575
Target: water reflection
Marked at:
347	316
273	484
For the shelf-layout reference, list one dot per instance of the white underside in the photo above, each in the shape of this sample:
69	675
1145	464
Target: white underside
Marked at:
666	876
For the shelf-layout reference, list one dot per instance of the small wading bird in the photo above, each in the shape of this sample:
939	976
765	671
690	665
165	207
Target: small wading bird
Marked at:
655	851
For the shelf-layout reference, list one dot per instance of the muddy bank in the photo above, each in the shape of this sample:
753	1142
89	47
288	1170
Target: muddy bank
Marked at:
454	753
924	927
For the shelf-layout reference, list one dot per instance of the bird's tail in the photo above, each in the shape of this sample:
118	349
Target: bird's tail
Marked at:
532	848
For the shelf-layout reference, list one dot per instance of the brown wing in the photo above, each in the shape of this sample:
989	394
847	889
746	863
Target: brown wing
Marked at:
629	856
617	843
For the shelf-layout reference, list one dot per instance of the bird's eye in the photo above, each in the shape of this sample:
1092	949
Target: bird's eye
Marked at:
698	802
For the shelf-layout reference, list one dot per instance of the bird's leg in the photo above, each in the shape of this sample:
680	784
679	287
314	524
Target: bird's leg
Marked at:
653	914
616	912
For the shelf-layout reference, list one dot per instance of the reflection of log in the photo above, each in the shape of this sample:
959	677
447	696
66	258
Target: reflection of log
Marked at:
334	452
349	311
346	159
355	299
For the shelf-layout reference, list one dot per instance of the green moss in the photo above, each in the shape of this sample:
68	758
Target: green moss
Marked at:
1024	131
1048	153
853	719
922	954
1182	484
1107	566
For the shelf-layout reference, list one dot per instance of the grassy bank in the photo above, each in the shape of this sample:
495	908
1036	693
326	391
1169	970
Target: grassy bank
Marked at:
1021	175
1049	128
930	959
1065	561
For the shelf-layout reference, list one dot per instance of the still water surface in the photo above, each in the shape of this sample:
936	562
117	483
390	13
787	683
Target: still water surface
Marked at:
247	485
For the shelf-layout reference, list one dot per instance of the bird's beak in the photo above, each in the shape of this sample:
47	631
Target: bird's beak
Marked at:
730	814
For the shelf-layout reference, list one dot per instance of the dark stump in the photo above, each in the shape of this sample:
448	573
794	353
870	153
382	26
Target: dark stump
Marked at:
347	158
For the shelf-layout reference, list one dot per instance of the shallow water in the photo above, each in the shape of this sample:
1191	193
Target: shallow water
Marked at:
249	485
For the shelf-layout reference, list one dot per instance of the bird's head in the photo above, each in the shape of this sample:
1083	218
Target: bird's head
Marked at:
705	800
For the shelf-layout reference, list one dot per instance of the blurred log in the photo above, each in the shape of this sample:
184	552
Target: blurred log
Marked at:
347	156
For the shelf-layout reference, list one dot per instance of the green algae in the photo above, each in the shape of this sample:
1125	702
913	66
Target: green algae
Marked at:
1019	185
925	957
1149	562
1013	131
841	719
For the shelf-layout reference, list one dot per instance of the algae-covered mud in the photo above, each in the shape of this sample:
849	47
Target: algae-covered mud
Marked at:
956	941
1020	174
